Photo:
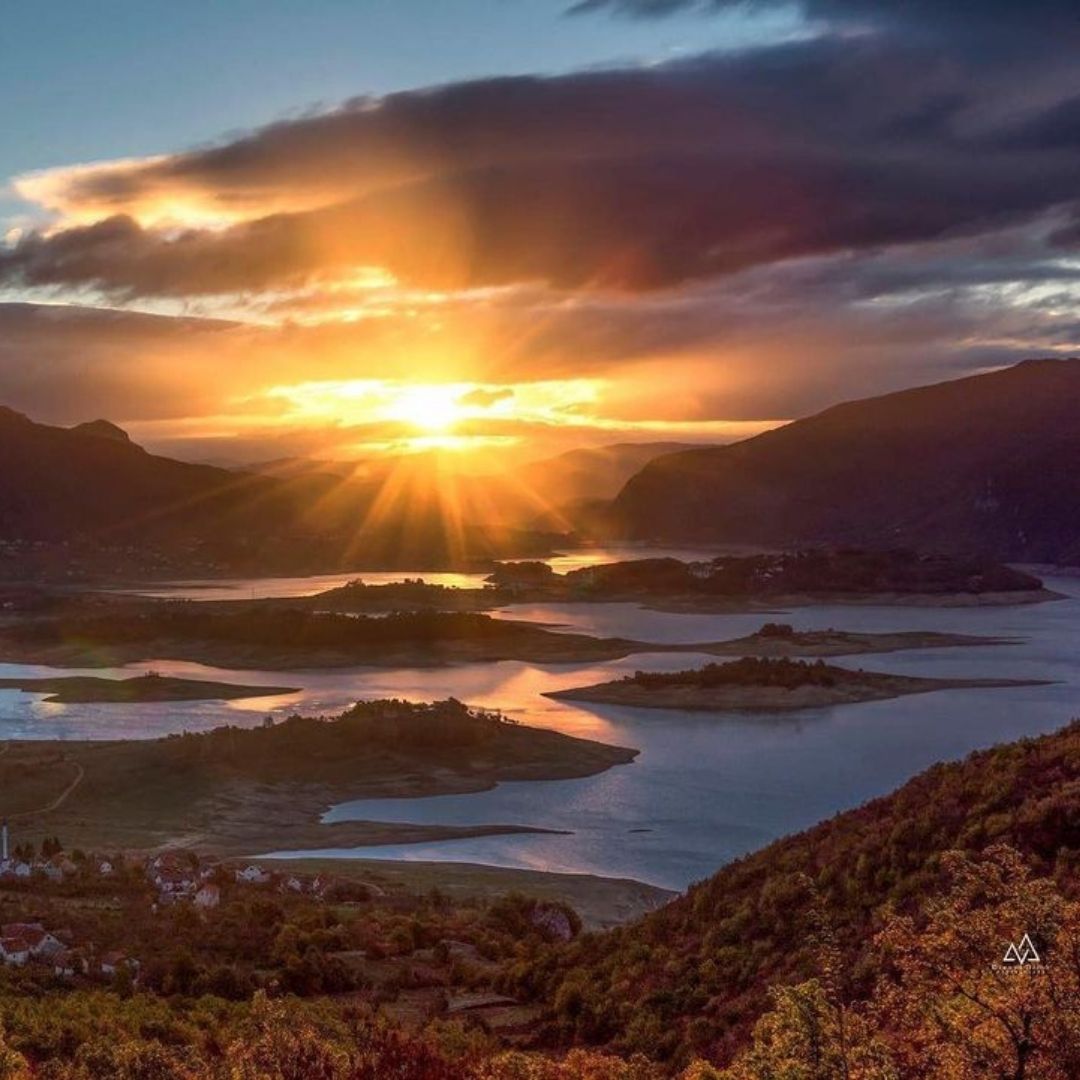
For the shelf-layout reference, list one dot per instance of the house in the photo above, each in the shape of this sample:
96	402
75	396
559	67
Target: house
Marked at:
209	896
173	883
14	949
68	963
174	874
175	862
253	875
112	962
63	862
50	948
37	939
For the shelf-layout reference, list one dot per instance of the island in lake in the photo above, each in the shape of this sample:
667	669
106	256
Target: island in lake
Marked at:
86	689
782	639
237	791
754	684
275	637
726	583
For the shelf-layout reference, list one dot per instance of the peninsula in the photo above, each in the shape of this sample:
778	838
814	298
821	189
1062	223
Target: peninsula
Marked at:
237	791
80	689
271	636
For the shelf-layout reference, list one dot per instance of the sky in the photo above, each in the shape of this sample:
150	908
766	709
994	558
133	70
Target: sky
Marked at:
262	228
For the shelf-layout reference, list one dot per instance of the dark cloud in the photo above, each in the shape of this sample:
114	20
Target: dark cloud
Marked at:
632	180
970	14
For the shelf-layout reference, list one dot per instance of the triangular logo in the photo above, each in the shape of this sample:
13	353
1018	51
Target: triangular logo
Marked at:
1022	953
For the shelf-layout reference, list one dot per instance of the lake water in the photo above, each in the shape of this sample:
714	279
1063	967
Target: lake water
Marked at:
262	588
706	788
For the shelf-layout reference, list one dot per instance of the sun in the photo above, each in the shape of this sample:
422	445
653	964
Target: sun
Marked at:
432	409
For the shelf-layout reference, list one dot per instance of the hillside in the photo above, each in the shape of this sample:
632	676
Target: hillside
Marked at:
693	977
988	464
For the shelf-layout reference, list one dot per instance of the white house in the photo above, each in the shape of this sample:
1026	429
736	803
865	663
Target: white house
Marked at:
253	875
112	962
67	963
14	950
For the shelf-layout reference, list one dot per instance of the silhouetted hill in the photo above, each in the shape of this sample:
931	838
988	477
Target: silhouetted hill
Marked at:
103	429
988	464
593	472
692	977
59	484
87	499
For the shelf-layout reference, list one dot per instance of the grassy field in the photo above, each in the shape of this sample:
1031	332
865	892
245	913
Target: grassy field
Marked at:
601	902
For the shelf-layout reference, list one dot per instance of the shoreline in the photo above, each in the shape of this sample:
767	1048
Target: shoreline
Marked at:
704	605
523	642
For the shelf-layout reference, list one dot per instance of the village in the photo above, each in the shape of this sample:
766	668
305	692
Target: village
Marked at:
174	922
175	877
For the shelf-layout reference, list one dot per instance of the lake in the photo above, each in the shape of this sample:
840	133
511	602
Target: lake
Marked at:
263	588
706	788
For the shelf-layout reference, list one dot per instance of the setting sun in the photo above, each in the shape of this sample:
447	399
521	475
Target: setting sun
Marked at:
429	408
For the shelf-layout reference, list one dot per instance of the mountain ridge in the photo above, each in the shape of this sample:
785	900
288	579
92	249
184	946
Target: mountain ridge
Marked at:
989	463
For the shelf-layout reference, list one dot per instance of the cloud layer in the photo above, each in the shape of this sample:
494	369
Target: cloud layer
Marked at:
889	198
633	179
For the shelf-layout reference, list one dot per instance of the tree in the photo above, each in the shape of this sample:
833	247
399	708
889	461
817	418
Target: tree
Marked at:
946	1004
13	1066
954	998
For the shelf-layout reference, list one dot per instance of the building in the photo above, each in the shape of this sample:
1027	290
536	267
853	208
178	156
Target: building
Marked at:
112	962
209	896
253	875
37	939
14	949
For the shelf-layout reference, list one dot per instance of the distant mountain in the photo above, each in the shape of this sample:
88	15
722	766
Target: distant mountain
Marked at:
553	492
87	499
543	493
692	977
593	473
103	429
988	464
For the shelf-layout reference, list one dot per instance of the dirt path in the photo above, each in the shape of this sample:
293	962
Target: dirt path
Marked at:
59	801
